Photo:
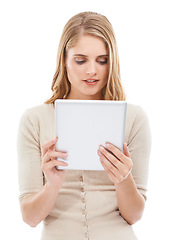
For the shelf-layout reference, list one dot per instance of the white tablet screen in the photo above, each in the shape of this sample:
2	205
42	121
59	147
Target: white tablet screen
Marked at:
83	125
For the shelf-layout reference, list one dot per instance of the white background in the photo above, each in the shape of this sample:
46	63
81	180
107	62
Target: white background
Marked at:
29	34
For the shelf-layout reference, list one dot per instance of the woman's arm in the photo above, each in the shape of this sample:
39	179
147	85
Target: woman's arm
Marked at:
37	206
131	203
118	166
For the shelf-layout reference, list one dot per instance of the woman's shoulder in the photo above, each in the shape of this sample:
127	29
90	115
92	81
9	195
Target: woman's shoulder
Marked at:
135	112
38	113
42	109
136	119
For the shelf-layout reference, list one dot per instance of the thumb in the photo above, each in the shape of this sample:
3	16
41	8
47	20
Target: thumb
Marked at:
125	150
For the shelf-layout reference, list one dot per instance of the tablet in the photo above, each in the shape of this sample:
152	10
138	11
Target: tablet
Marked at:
83	125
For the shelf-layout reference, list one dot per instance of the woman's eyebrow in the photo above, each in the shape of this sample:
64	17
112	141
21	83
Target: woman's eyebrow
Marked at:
79	55
82	55
105	55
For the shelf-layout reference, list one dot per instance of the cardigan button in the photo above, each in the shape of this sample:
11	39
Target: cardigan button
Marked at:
84	212
85	223
86	235
81	178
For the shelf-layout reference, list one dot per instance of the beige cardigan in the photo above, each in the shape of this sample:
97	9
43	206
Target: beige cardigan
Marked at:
86	207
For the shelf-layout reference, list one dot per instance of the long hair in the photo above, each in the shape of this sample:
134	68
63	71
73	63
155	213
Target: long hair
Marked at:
96	25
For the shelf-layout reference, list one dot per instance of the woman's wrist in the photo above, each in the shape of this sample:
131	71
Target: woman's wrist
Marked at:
126	182
52	188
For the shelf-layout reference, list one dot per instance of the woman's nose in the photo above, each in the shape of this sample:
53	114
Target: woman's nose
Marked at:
91	69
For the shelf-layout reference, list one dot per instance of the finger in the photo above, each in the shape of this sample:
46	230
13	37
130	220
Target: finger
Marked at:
46	146
53	155
111	167
114	174
125	150
117	152
109	173
46	167
111	157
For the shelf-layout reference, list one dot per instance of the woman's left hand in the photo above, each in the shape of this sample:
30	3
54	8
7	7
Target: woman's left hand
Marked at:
118	165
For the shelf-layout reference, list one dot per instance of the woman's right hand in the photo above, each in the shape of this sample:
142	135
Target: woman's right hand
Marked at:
50	163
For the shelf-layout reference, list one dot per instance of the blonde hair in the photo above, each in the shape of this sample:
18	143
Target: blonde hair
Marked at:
96	25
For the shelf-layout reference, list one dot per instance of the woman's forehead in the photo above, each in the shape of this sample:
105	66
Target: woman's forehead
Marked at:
87	45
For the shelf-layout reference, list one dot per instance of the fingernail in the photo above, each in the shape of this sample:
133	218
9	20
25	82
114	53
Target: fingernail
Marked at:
101	148
99	153
107	145
65	154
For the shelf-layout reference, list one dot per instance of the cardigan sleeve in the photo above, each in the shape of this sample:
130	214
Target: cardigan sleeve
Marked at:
30	175
139	145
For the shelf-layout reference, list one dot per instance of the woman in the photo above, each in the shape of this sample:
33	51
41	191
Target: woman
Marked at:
91	205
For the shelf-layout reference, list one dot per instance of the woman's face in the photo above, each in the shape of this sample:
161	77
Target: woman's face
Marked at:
87	68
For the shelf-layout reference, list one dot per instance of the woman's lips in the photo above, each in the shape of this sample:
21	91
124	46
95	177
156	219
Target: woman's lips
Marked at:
91	81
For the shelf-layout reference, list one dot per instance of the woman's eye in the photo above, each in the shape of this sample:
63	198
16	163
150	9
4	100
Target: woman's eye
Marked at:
80	61
102	61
